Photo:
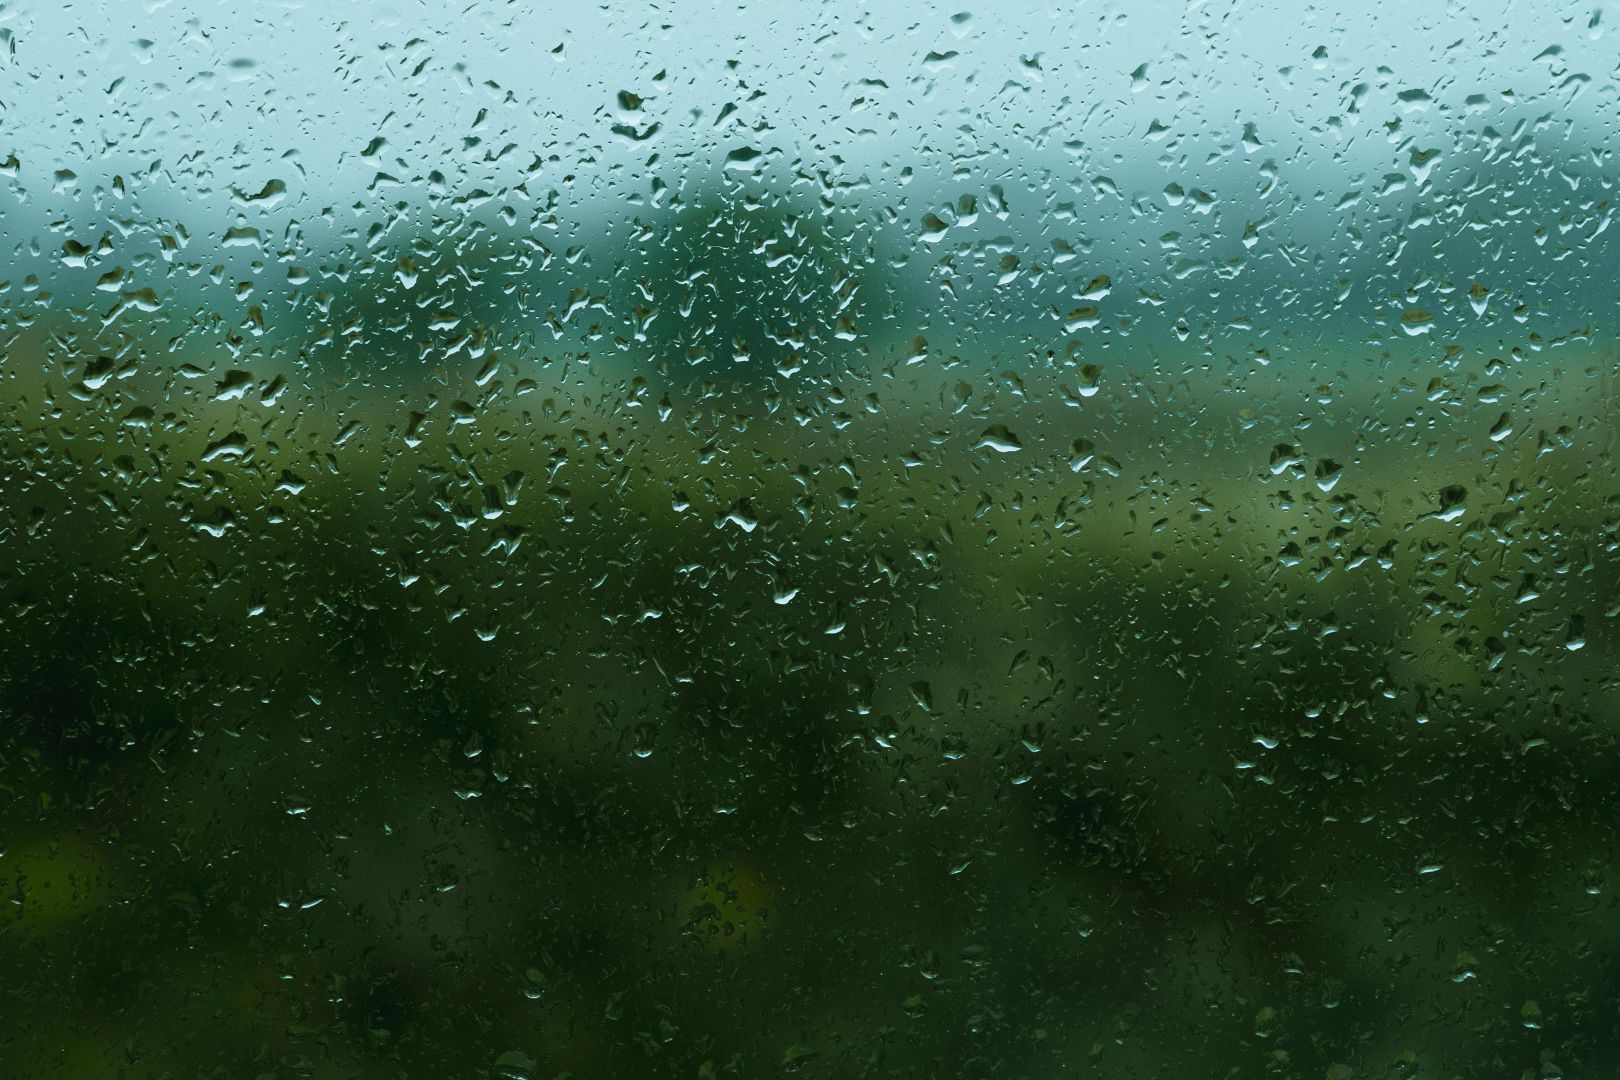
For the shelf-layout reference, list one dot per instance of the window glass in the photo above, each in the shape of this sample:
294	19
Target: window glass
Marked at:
727	540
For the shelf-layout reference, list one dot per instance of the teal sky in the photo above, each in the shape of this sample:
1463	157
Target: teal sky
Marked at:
302	89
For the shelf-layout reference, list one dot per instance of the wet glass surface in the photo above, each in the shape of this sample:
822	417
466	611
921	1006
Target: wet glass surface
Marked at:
731	541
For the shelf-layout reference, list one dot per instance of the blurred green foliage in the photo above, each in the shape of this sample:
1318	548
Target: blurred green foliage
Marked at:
438	677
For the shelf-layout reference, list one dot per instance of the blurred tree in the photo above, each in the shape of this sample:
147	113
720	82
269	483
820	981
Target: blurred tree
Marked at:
744	287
